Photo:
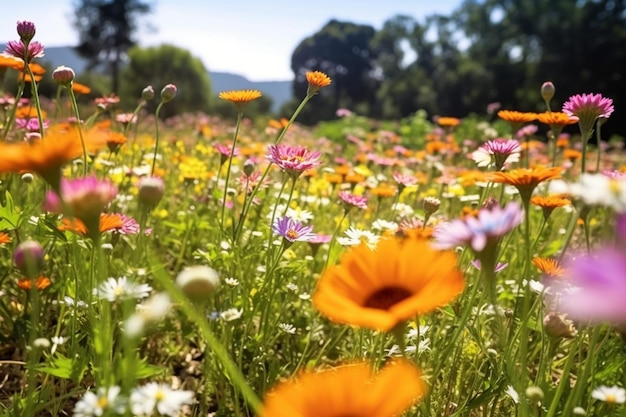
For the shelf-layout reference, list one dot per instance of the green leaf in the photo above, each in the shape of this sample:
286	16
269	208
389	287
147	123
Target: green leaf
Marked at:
64	367
9	216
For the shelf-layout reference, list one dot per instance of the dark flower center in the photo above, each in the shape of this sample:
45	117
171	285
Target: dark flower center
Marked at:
386	297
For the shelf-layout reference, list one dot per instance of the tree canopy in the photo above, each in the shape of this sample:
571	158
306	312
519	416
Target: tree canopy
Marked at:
106	30
485	51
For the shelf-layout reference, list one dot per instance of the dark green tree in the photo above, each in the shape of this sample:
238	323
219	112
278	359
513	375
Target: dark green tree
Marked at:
106	30
165	64
343	51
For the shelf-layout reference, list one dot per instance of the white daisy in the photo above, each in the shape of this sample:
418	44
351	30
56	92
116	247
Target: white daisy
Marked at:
356	236
147	399
121	289
96	404
611	395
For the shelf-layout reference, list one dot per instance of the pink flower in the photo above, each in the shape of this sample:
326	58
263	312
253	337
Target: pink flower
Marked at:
404	180
293	160
588	107
85	198
26	30
17	49
479	232
351	200
595	287
497	152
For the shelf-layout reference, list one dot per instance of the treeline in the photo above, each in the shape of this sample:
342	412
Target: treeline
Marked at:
484	52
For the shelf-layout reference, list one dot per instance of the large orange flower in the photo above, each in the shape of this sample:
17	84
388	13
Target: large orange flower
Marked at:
556	118
383	288
46	157
350	390
524	179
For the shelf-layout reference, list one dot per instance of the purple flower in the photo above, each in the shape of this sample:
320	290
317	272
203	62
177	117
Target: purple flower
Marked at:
595	288
18	50
85	198
294	160
32	125
588	107
351	200
478	232
292	230
499	266
26	30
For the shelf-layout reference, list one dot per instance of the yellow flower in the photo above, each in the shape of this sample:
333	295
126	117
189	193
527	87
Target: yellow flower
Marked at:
240	97
317	80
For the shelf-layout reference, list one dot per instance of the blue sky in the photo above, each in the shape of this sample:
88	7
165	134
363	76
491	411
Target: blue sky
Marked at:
254	38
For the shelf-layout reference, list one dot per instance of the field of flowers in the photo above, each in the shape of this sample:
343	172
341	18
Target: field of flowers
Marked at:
196	266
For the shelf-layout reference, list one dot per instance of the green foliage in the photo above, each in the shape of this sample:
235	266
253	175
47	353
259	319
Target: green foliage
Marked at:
167	64
106	31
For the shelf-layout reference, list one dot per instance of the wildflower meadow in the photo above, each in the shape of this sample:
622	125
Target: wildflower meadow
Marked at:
201	266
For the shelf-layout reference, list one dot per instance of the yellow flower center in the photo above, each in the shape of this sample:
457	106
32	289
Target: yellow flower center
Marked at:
291	234
159	395
103	402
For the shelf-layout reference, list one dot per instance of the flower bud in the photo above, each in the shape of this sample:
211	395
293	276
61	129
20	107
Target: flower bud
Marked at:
151	190
63	75
29	258
248	167
430	205
547	90
26	31
534	394
557	326
168	93
148	93
198	282
28	178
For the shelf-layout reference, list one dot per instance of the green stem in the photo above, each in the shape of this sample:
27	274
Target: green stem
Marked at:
35	94
11	119
80	130
156	136
228	168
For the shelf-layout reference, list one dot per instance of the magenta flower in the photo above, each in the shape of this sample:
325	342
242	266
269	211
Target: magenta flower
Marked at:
292	230
32	125
351	200
84	198
481	231
26	30
18	50
595	287
587	108
293	160
497	152
225	151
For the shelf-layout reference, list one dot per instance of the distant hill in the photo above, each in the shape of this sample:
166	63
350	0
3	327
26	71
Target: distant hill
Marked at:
278	91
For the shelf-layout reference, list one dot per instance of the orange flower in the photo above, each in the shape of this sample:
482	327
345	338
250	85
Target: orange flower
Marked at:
383	288
555	118
44	157
240	97
524	179
350	390
4	237
317	80
549	203
11	62
572	154
516	116
448	121
79	88
27	112
436	147
384	190
22	76
41	283
549	267
108	221
115	140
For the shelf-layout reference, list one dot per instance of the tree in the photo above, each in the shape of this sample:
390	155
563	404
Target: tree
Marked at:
106	29
165	64
342	50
